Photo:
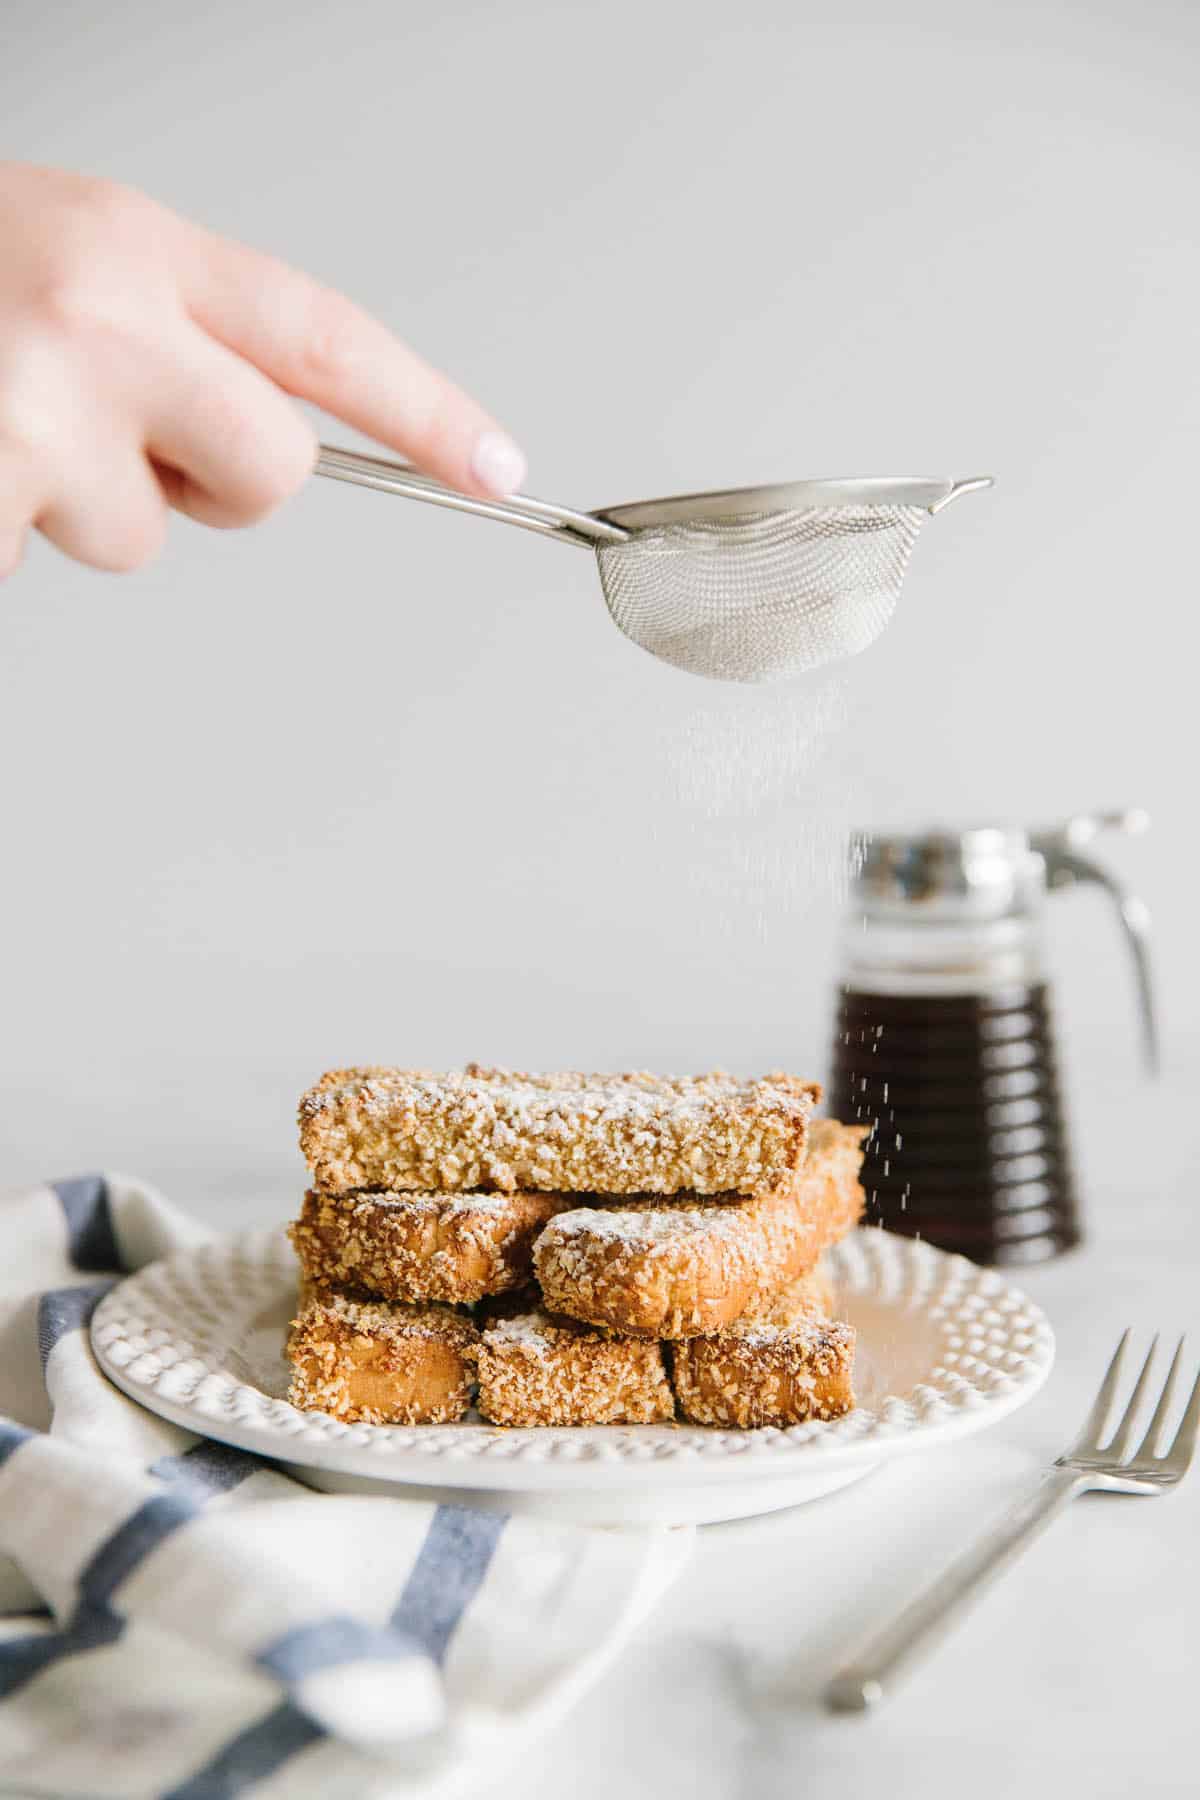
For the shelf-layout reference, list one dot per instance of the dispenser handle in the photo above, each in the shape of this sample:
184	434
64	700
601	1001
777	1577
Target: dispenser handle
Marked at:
1065	867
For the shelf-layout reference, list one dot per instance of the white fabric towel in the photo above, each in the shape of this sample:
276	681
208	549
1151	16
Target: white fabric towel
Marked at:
179	1620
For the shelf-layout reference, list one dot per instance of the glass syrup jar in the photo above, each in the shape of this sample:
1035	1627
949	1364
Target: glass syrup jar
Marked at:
944	1042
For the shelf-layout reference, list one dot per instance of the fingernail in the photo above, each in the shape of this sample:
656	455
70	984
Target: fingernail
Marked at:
497	464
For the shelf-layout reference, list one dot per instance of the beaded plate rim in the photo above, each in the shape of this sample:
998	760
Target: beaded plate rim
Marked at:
168	1337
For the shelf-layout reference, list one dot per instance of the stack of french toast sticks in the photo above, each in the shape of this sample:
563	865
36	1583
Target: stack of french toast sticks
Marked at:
571	1249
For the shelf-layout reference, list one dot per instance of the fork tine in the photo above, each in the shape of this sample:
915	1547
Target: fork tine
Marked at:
1183	1447
1091	1436
1123	1436
1154	1429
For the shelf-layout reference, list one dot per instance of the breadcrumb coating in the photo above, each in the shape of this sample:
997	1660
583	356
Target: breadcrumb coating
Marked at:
780	1366
418	1247
682	1268
363	1360
536	1369
481	1128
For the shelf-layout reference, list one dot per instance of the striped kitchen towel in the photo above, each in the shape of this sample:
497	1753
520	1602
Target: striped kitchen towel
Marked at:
179	1618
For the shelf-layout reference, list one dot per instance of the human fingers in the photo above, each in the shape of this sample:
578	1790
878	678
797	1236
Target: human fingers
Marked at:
320	346
12	552
109	511
23	490
228	445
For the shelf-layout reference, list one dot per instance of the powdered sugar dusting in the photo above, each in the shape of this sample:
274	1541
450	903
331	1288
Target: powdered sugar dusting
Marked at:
652	1225
555	1104
492	1128
528	1330
442	1205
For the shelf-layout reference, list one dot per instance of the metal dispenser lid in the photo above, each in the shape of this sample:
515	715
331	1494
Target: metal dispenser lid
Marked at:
987	872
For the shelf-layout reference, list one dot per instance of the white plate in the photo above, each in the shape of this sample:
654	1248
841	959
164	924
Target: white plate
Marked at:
944	1348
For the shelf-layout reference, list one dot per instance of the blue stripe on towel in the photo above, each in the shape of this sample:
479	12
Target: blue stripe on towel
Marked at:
338	1639
446	1576
12	1436
208	1468
251	1756
67	1309
24	1657
91	1240
119	1555
95	1624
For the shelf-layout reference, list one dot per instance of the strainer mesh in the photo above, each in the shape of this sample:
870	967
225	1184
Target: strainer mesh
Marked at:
763	595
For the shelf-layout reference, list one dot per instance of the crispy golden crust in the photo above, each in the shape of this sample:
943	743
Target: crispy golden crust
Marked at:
416	1247
781	1366
678	1269
571	1133
538	1369
812	1295
362	1360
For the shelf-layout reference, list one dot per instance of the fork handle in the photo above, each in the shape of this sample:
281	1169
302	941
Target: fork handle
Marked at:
889	1653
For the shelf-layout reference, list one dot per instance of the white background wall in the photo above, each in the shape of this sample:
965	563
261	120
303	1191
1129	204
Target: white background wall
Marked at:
376	783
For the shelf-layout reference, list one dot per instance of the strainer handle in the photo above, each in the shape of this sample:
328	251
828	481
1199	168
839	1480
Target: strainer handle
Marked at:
531	515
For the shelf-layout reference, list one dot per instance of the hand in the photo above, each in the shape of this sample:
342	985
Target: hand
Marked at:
145	363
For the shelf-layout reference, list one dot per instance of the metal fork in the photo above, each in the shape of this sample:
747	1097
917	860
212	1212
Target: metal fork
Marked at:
1091	1462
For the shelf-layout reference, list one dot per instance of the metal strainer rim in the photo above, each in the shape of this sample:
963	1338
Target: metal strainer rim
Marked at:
930	493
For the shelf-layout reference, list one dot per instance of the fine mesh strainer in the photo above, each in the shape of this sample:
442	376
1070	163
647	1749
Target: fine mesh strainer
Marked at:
751	584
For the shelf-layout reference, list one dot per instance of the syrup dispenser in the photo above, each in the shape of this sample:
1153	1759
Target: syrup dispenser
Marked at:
945	1038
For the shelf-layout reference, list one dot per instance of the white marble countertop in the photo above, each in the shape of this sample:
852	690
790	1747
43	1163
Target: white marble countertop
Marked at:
1075	1674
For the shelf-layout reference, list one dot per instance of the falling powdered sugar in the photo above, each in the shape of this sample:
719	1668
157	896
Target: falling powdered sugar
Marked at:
771	807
